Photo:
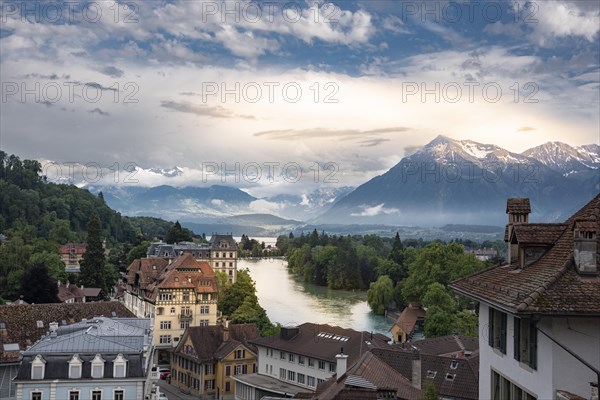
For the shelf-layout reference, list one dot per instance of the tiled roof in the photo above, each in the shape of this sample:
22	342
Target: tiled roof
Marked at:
323	342
537	233
209	343
549	285
445	345
518	206
409	317
77	248
365	379
216	239
71	291
91	292
452	377
21	321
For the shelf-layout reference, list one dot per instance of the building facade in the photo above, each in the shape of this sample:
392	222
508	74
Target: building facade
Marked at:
99	359
539	314
299	358
221	253
71	254
208	357
176	293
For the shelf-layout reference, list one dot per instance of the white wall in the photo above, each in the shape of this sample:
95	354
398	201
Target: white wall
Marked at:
534	381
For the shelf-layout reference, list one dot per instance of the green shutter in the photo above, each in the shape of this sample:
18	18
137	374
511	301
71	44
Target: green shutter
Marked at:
533	345
491	327
517	339
503	333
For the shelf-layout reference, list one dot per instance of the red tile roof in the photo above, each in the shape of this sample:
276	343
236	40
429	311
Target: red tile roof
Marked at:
537	233
77	248
409	317
71	291
549	285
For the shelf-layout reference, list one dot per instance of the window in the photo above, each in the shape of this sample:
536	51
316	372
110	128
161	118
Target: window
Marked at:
75	367
321	364
118	395
36	395
186	296
160	310
96	395
172	310
228	370
497	330
319	381
503	388
97	367
203	322
282	373
165	324
240	354
119	366
165	297
301	378
210	384
164	339
73	395
332	367
525	342
311	363
184	324
282	355
238	369
209	369
301	360
271	369
204	310
228	386
291	376
291	357
37	367
310	380
205	296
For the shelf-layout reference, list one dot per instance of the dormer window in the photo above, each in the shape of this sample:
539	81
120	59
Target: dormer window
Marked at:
98	367
38	366
75	367
119	366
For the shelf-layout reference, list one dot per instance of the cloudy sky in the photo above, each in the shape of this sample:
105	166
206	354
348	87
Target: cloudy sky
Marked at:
344	88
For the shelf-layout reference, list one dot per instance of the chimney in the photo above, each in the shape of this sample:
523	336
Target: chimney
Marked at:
416	372
225	330
594	386
518	210
585	247
341	363
53	328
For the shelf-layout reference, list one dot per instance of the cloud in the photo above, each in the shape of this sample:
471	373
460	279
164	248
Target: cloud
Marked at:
394	24
202	110
112	71
372	142
375	210
526	129
318	133
411	149
99	112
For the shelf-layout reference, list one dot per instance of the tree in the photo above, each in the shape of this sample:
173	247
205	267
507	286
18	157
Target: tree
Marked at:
429	392
380	294
136	252
38	286
467	323
397	253
251	312
93	263
437	296
178	234
233	296
53	263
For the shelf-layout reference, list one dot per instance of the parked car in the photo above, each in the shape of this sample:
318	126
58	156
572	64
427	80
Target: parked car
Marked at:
165	373
162	396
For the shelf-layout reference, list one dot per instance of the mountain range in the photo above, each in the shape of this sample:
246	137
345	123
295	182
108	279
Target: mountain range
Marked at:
465	182
447	181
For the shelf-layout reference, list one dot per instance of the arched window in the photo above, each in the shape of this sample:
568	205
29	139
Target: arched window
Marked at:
38	365
119	366
98	367
75	367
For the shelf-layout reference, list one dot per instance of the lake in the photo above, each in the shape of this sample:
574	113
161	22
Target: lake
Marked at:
291	301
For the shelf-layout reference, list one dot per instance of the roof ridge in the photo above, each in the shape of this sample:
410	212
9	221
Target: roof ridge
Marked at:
459	342
531	298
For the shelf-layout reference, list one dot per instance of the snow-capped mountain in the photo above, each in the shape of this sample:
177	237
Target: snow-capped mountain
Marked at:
461	181
565	159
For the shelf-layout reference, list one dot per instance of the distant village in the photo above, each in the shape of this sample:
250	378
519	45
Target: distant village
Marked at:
161	333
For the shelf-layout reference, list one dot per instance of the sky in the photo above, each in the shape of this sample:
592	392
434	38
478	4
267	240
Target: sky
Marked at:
282	97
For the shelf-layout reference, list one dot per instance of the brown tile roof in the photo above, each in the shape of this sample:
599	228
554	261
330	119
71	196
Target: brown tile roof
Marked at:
518	206
71	291
409	317
209	343
453	377
537	233
323	342
445	345
21	321
549	285
365	379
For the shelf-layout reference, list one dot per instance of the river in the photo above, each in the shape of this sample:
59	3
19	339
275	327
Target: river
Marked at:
290	301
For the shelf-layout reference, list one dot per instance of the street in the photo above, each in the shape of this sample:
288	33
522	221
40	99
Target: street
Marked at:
173	392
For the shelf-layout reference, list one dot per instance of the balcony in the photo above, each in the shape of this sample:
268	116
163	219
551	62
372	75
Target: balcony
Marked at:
186	316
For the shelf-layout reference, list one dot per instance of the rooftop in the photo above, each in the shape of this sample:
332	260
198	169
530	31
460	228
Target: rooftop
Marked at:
268	383
518	206
209	343
549	285
409	317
